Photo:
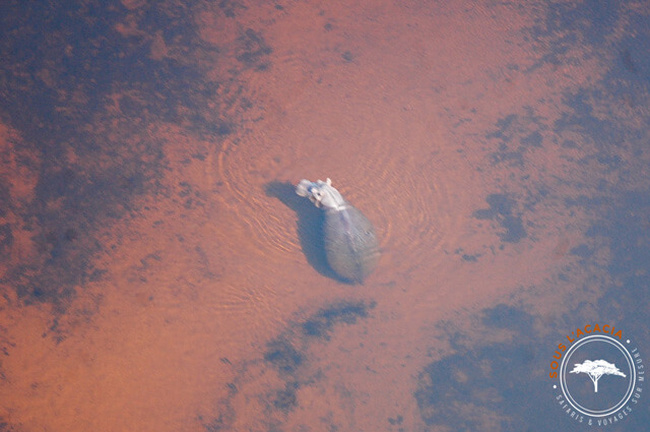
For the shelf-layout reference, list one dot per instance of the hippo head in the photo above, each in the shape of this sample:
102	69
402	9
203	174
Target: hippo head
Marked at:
322	194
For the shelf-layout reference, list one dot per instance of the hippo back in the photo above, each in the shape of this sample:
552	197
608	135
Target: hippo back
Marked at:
350	243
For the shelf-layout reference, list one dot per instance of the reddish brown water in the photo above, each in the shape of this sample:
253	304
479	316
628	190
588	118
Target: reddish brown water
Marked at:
458	129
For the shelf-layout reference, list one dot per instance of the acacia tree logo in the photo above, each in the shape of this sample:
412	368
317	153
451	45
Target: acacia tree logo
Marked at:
596	369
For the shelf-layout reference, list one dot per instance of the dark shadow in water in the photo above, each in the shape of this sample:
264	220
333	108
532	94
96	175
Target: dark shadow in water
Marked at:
103	91
490	386
310	227
289	352
501	210
289	355
497	378
321	324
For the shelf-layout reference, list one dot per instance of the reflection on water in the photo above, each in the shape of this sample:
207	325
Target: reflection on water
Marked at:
158	271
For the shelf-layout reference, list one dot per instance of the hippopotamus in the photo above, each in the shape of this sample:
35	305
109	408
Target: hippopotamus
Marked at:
351	245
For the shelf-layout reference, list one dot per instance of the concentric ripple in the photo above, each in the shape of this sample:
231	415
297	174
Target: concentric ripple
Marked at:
386	158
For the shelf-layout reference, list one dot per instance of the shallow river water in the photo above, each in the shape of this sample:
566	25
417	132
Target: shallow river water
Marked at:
158	272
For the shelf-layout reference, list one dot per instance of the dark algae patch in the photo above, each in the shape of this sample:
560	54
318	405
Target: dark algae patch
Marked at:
86	89
502	210
283	356
290	358
489	382
322	323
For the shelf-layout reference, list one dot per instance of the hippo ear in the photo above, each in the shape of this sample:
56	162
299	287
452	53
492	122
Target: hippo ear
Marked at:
328	181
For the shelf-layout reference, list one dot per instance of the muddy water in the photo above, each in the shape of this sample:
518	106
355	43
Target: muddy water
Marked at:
159	273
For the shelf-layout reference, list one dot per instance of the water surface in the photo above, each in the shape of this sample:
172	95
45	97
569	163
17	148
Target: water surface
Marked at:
158	273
